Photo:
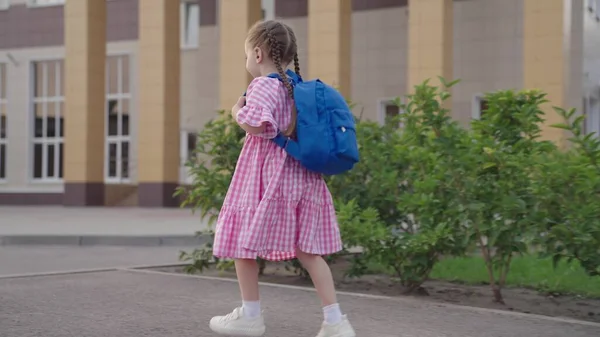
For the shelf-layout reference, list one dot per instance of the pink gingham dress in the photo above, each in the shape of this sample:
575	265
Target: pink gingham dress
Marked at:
274	205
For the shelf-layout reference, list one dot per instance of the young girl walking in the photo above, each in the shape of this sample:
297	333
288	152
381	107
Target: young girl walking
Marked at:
275	208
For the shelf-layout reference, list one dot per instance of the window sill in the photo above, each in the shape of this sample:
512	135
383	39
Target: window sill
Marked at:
188	48
114	181
46	181
34	5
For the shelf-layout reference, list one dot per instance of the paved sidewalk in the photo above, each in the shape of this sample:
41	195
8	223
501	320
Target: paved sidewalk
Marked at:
98	226
136	303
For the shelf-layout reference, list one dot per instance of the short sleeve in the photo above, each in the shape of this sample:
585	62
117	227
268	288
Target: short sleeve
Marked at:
261	102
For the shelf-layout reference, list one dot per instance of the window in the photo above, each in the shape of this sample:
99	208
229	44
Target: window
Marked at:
4	4
118	108
187	145
592	119
388	109
41	3
268	9
48	111
479	107
190	24
3	127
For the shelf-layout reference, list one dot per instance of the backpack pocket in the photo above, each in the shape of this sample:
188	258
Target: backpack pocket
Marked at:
344	134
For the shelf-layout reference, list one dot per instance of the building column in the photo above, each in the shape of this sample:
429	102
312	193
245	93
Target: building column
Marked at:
235	18
329	43
85	56
430	42
553	57
159	91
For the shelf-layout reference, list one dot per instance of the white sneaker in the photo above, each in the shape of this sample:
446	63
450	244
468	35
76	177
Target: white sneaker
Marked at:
235	324
342	329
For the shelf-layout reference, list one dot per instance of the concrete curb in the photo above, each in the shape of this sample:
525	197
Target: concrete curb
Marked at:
103	240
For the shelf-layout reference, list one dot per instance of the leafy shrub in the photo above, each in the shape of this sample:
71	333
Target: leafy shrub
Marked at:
568	190
498	204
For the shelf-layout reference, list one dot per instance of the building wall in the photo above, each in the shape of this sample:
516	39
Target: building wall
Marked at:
488	51
488	55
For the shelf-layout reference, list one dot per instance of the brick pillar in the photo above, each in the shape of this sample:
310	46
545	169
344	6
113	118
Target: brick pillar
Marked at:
430	42
235	18
159	90
329	42
553	57
85	49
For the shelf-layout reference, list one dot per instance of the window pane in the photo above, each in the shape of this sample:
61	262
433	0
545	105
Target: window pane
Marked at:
125	74
38	116
51	120
112	160
125	108
125	160
61	77
38	79
61	120
112	118
2	81
60	158
51	79
391	110
2	161
192	139
50	162
3	126
37	160
112	75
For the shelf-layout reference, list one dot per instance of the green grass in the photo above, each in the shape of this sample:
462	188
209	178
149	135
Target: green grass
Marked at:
526	271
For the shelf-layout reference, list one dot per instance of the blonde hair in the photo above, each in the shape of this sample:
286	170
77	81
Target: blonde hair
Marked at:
279	42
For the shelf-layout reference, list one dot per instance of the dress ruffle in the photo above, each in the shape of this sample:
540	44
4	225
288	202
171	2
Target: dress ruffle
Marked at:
274	230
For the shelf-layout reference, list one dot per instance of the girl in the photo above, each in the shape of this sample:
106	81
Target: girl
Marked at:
275	208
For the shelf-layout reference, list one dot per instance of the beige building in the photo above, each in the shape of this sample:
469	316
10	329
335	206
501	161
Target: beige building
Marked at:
100	99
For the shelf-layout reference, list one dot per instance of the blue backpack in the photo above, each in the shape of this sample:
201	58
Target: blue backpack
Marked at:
325	129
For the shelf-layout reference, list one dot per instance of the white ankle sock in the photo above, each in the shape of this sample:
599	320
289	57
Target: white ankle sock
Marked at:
333	314
251	309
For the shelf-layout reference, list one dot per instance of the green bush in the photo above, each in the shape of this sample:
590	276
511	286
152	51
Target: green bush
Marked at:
498	203
568	190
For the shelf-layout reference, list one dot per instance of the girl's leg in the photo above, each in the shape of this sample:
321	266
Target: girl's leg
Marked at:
335	324
247	320
247	274
320	273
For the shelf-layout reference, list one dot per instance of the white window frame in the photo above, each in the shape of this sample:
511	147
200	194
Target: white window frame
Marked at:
191	20
592	118
476	106
4	4
4	103
268	7
35	3
381	113
44	141
119	138
185	176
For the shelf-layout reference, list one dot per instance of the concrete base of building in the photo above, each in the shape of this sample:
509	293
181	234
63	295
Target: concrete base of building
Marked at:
157	195
105	240
30	199
83	194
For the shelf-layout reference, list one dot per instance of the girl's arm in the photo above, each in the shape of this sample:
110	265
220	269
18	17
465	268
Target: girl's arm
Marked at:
254	113
248	128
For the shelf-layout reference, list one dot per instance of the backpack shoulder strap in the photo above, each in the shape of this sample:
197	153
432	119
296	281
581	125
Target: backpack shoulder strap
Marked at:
290	146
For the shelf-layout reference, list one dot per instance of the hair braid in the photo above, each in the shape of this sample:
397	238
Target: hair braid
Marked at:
296	65
276	55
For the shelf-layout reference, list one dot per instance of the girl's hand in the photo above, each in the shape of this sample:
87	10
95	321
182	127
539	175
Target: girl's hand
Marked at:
240	104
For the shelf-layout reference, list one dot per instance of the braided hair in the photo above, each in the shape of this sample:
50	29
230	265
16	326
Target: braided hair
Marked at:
279	42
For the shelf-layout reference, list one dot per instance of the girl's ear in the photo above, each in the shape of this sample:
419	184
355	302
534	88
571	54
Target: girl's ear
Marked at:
259	54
